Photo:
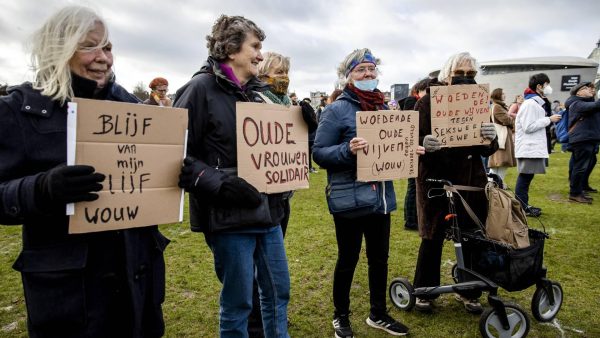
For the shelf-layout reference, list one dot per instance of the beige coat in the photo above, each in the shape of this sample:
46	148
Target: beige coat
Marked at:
503	157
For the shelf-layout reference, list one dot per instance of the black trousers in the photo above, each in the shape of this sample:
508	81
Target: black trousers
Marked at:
410	202
427	272
349	234
583	158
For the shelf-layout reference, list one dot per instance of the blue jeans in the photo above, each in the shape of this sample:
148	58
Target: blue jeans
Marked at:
236	255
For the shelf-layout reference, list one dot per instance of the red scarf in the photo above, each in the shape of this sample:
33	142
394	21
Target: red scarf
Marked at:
369	101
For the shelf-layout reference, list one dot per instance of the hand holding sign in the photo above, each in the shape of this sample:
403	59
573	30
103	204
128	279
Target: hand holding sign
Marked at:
357	144
69	184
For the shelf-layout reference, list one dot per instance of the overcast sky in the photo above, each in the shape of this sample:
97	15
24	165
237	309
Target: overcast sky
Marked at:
167	38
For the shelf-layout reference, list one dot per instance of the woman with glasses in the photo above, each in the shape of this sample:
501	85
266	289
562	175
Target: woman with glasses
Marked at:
158	95
103	284
459	165
335	149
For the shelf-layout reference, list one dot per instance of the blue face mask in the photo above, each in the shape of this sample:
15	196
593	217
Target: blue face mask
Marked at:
366	85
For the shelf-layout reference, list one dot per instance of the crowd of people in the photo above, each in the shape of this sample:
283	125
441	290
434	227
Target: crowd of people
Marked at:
112	283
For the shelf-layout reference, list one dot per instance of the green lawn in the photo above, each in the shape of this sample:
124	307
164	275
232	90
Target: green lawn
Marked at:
191	307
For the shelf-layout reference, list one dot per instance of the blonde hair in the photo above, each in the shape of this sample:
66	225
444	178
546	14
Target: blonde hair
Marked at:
54	44
453	62
351	60
273	60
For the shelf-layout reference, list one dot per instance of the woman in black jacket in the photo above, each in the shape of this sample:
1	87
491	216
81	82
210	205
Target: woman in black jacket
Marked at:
106	284
245	242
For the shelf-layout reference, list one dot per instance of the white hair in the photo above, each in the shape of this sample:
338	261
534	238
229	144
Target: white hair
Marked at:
357	55
55	43
454	62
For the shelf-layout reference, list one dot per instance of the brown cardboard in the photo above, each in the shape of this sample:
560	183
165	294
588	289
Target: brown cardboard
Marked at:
457	113
392	137
272	146
139	148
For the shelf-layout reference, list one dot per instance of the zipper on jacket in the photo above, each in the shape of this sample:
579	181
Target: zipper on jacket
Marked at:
384	201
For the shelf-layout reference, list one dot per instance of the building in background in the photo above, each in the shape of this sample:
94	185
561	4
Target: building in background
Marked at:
399	91
564	72
513	75
315	97
595	56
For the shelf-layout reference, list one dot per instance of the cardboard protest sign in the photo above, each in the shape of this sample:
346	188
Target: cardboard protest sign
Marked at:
457	113
139	148
392	137
272	146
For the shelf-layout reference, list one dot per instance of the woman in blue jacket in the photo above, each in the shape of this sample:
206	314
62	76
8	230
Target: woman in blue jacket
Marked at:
105	284
335	149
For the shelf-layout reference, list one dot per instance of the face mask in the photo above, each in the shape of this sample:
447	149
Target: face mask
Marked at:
547	90
366	85
458	80
279	85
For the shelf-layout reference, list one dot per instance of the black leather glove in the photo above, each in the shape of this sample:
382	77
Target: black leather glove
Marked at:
239	193
189	173
198	177
309	116
68	184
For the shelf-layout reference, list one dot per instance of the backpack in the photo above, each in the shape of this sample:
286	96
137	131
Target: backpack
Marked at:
562	127
506	220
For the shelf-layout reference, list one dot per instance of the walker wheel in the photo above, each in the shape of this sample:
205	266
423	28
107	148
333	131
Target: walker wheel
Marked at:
490	325
402	294
541	308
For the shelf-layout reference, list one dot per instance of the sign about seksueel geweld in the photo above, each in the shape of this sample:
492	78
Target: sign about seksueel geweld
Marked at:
272	146
139	148
457	113
392	137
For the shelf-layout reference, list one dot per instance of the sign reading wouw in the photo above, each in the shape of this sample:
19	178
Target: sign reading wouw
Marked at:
139	148
457	113
392	137
272	146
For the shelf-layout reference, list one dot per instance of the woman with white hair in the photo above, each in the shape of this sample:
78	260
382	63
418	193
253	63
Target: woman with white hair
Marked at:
459	165
106	284
335	149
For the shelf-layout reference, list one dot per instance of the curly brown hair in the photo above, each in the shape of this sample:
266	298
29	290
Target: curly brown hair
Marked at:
228	35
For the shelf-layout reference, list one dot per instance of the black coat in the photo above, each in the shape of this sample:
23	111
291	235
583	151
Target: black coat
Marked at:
584	119
71	282
210	98
460	166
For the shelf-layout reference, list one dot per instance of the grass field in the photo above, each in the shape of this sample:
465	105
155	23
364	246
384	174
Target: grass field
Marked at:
191	307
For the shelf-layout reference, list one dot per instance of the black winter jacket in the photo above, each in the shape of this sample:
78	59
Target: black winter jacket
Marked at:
210	98
69	280
584	114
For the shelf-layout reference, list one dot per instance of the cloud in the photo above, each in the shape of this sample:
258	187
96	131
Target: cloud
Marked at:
411	37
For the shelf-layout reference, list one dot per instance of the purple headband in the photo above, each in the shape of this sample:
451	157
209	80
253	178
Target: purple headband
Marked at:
367	58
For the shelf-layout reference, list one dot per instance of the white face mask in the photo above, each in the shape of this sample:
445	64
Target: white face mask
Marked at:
547	90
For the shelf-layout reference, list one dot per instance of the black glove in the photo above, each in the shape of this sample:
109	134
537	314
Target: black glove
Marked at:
309	116
68	184
239	193
189	173
198	177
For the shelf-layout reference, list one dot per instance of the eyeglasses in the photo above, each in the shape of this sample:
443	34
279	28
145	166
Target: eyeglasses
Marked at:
363	70
470	73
